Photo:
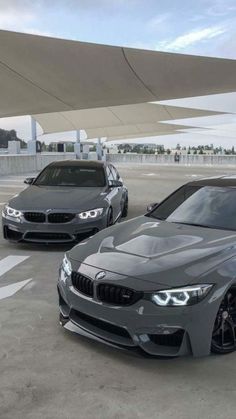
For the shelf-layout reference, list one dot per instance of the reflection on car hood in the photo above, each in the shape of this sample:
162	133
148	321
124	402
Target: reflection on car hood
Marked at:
50	197
147	249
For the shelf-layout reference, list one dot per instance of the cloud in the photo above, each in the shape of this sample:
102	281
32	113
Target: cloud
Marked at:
36	31
21	21
158	20
190	38
9	19
221	8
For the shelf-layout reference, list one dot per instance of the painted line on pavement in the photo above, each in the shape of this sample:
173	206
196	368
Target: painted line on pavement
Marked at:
10	262
12	186
6	193
12	180
10	290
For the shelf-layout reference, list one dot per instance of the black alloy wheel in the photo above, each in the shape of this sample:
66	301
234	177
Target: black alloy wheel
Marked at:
224	332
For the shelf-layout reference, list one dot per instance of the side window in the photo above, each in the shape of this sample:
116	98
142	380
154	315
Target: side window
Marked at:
109	173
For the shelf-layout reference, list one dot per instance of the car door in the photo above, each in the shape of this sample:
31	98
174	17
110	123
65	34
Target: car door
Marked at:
116	193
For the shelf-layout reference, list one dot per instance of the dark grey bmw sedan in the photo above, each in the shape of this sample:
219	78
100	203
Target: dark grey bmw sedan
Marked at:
65	201
164	282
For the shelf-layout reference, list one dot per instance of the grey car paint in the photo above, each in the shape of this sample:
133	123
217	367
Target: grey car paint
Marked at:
149	255
58	199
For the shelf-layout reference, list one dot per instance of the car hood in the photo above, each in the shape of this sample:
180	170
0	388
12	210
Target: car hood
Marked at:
156	251
50	197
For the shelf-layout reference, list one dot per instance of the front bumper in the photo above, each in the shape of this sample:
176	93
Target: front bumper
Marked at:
159	331
24	231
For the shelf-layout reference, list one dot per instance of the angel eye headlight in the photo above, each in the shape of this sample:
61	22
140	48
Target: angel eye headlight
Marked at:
11	212
90	213
183	296
66	266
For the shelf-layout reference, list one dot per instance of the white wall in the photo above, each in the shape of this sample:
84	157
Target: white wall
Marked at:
169	159
17	164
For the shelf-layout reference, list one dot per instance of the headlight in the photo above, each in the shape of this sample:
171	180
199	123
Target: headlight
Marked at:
90	214
181	296
66	266
11	212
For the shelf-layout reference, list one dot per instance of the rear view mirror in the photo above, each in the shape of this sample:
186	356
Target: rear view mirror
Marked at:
150	207
29	180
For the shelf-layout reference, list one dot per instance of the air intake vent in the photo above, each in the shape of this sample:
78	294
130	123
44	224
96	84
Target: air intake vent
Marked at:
172	339
47	237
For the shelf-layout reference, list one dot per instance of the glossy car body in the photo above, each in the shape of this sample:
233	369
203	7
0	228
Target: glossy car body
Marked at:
107	284
49	213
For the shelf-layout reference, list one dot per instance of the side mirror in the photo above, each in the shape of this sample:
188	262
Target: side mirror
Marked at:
150	207
115	183
29	180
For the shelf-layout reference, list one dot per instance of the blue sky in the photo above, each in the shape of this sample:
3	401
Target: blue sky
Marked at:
204	27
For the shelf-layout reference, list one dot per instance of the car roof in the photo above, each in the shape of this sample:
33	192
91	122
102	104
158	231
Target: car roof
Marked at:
80	163
226	180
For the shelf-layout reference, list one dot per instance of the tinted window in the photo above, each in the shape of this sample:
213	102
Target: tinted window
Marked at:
71	176
210	206
174	201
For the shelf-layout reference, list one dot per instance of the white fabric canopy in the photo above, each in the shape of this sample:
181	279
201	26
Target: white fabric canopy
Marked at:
132	131
41	74
142	113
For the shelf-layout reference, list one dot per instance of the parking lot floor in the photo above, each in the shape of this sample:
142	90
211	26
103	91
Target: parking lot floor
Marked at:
47	372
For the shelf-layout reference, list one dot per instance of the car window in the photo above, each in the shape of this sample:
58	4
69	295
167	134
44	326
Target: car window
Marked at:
174	201
71	176
208	206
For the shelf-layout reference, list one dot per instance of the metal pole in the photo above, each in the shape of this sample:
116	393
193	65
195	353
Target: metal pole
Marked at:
77	147
99	149
78	136
33	129
32	142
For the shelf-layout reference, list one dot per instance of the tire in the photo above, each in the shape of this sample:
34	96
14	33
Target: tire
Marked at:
125	208
110	217
224	331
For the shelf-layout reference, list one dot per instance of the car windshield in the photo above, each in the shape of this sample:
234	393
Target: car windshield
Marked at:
71	176
208	206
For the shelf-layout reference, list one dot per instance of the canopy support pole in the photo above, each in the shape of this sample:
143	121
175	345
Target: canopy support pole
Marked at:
99	149
31	146
77	146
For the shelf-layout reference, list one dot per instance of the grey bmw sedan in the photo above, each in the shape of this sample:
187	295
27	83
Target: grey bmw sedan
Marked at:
164	282
67	200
